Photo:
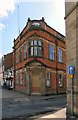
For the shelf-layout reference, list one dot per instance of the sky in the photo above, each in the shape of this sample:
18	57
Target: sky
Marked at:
53	12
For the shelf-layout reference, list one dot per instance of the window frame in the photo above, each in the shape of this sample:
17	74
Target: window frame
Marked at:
17	78
21	80
48	79
51	52
16	57
60	56
20	54
60	80
25	77
35	47
25	51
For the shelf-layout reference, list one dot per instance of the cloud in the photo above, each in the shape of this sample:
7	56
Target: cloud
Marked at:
5	7
2	26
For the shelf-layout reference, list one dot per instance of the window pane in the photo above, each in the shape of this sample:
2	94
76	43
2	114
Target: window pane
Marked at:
36	24
16	77
51	52
25	77
59	55
60	76
60	51
31	43
39	43
20	54
48	75
48	79
31	50
60	58
24	47
21	77
25	50
51	56
16	57
60	80
40	51
35	42
35	50
51	48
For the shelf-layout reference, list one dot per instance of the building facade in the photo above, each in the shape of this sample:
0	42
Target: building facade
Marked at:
8	70
39	60
72	55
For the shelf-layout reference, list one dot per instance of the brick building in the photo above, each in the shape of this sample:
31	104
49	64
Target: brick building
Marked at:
39	59
8	70
72	55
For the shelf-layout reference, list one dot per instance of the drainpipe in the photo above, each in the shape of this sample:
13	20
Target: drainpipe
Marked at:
14	59
56	68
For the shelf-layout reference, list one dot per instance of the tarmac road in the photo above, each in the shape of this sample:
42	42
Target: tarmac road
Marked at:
19	105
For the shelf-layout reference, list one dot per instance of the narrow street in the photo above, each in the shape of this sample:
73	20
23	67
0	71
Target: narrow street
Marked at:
19	105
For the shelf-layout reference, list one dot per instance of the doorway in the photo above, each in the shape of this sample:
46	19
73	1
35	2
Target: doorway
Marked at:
36	81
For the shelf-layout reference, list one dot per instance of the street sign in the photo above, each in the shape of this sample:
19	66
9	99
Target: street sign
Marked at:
71	70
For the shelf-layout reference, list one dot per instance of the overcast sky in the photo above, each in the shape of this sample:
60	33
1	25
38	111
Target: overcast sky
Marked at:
53	12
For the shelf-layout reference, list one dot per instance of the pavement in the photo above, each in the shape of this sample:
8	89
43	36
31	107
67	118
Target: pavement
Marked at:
16	94
60	114
46	97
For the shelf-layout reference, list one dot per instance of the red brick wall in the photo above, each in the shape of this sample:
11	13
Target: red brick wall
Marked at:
8	60
48	36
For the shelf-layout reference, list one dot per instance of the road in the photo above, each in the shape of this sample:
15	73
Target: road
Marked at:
16	104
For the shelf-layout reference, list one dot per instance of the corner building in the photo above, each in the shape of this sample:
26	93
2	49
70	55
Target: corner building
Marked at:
39	60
